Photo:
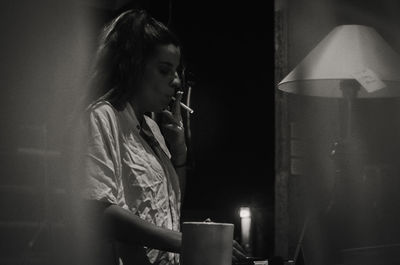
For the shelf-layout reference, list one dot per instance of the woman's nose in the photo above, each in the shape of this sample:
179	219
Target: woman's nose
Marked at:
176	82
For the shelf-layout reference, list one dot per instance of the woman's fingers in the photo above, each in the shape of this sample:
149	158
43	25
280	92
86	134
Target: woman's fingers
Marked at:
238	254
174	115
173	127
176	107
168	118
238	246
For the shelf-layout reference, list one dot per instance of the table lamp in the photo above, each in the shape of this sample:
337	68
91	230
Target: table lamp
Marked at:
352	61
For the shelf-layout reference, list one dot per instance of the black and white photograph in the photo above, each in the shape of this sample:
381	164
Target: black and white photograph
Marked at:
171	132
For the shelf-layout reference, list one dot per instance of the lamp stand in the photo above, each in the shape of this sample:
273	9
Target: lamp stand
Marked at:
349	90
349	159
347	152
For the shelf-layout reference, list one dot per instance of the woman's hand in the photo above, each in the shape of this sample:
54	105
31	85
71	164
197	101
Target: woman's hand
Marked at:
238	253
174	132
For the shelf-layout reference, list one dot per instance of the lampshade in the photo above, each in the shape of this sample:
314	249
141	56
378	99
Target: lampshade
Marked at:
346	51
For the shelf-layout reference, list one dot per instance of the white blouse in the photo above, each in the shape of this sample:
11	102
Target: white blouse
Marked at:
122	168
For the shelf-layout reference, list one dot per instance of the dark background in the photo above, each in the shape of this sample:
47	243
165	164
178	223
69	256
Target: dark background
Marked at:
228	46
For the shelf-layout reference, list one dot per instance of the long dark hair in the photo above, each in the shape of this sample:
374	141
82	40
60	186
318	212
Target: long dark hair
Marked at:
125	44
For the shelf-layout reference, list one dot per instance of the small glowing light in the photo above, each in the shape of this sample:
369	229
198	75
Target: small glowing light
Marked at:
245	212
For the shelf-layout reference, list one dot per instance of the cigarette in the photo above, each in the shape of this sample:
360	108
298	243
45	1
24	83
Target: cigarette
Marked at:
184	106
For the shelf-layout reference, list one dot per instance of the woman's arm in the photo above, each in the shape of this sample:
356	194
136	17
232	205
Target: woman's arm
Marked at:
174	134
181	171
124	226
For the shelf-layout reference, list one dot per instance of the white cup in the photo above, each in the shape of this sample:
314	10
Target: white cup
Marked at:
207	243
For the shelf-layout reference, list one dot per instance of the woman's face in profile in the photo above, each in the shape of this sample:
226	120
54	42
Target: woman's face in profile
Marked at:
160	79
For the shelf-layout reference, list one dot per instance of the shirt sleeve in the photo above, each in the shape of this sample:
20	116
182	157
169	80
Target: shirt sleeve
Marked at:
101	161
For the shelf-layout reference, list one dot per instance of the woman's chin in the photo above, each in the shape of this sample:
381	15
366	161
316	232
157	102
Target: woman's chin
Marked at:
161	109
165	107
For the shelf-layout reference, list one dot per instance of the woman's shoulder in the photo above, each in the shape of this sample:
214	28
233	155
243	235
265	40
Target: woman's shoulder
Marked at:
101	109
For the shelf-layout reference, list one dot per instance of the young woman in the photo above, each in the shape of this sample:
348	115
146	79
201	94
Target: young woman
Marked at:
134	169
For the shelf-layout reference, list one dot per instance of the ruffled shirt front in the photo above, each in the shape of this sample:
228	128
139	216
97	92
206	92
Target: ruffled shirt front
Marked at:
124	168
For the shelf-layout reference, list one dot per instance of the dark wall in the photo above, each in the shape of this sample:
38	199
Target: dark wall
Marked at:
228	48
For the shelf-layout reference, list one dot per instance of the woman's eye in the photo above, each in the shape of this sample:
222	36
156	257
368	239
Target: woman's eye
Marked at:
165	71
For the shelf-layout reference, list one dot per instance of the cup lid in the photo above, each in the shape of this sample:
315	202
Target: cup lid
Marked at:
207	223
